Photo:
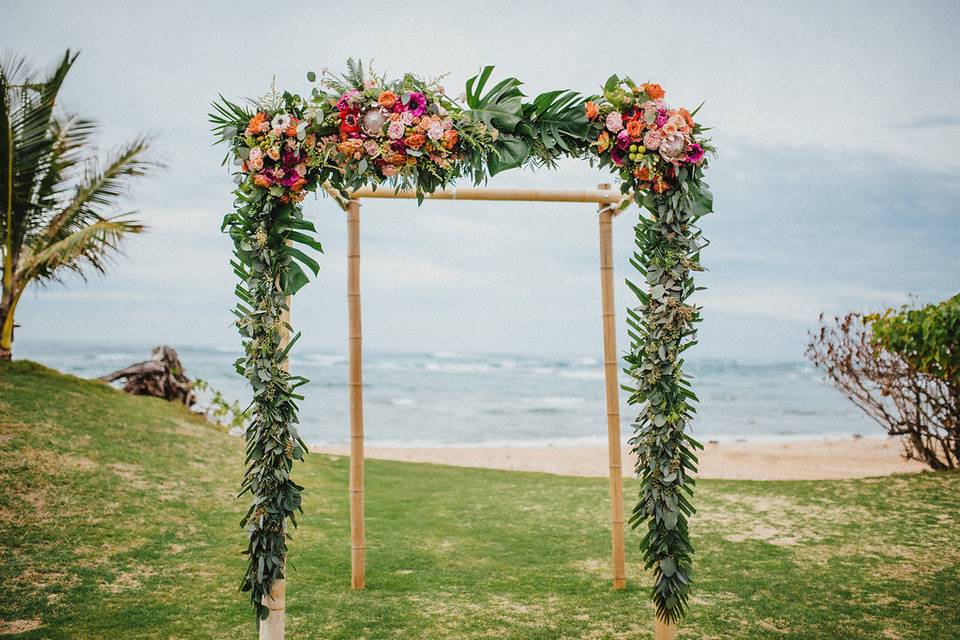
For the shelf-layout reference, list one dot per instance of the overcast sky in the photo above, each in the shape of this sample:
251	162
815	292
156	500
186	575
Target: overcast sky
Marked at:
835	187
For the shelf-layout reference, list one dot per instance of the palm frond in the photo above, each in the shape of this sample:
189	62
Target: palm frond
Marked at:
97	193
90	246
28	114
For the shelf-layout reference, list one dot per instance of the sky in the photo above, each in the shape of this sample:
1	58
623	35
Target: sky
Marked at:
836	182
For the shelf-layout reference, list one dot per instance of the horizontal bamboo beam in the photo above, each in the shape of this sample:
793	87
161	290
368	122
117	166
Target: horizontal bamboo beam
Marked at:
605	196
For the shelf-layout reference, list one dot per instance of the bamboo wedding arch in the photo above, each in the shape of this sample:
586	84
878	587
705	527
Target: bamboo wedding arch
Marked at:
359	131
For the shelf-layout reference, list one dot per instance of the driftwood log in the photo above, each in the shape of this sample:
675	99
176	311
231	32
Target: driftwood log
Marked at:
161	376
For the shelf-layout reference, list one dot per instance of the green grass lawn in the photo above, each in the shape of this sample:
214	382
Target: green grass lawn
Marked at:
118	519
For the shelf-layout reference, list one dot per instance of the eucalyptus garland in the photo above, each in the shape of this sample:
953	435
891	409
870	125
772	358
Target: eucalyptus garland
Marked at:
662	327
360	129
261	229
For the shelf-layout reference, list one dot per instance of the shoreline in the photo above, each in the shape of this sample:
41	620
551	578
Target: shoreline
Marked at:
811	459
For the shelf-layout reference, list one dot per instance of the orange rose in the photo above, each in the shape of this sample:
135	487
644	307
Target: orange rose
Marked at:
285	199
450	137
415	140
655	91
298	185
592	111
387	99
634	129
261	181
603	142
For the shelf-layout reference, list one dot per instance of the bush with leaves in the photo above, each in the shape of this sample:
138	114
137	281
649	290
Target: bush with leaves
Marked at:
902	368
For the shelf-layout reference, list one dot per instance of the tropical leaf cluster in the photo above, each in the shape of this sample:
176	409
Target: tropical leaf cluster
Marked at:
60	211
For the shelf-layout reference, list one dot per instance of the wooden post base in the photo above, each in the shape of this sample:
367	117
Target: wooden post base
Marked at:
664	630
273	627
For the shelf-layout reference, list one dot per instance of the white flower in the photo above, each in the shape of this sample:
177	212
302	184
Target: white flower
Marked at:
435	132
672	146
281	122
406	118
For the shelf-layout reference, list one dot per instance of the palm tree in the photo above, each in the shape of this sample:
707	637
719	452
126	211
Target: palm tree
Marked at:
58	206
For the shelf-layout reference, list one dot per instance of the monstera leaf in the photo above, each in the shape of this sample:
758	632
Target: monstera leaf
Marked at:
557	119
501	107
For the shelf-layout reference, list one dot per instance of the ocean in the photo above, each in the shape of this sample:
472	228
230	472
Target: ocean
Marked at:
437	399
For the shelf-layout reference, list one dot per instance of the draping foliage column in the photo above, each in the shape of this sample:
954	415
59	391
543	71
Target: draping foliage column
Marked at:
662	327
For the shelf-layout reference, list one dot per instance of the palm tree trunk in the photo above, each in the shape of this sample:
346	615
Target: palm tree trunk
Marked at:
8	305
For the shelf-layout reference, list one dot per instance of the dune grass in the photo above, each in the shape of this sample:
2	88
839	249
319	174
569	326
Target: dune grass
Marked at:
118	520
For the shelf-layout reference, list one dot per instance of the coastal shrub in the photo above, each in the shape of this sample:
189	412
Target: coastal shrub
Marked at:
901	367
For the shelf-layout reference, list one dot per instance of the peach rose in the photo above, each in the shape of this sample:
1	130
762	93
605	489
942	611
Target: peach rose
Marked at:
387	99
450	137
603	142
635	129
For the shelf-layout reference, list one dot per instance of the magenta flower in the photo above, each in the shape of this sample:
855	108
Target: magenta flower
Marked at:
695	153
662	118
623	140
417	104
617	156
290	178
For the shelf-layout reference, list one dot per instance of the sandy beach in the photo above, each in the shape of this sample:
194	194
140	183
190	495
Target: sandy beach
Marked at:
779	460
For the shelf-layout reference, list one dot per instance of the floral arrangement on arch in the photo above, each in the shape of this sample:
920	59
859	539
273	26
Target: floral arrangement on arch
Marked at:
649	142
360	129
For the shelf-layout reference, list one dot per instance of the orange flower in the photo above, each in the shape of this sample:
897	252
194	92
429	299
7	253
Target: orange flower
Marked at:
292	129
592	111
634	129
285	198
298	185
603	142
310	140
244	167
450	137
655	91
642	174
387	99
415	140
350	146
686	116
261	181
660	185
256	122
396	159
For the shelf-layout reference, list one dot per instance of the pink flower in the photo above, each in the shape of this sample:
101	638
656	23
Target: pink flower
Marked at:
614	121
435	132
406	118
389	170
447	124
671	147
395	130
651	140
371	148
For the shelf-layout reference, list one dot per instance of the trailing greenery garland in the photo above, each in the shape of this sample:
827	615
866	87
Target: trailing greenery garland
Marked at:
360	129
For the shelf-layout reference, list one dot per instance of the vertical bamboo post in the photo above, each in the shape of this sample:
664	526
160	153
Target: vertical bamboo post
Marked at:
357	532
276	601
664	630
273	627
612	385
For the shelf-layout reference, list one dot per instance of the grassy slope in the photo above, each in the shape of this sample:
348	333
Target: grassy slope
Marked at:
118	519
